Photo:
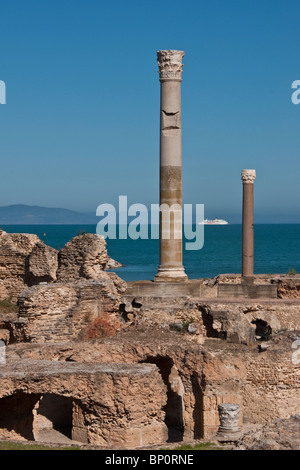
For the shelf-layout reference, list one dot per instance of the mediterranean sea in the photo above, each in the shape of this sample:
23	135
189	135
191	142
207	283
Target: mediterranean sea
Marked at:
277	249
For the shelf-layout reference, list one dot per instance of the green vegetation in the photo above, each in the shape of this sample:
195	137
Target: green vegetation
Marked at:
199	446
181	327
291	272
8	445
8	306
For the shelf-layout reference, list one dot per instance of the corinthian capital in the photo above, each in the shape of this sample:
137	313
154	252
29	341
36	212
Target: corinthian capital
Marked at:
170	64
248	176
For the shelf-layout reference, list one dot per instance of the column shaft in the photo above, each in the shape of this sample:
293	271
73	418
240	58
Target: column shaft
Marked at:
170	267
248	232
248	177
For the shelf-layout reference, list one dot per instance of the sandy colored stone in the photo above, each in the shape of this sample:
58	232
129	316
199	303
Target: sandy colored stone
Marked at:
4	335
26	261
289	288
110	400
42	264
282	434
83	257
14	251
65	311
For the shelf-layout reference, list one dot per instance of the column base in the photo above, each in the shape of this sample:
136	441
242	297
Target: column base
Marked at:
247	279
228	435
170	275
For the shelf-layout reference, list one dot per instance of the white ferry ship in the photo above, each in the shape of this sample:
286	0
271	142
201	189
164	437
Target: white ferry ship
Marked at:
215	221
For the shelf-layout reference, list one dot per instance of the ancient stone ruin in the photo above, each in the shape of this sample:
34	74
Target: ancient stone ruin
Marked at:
95	360
87	358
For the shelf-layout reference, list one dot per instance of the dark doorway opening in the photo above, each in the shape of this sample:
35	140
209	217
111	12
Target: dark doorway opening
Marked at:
16	416
263	331
174	406
53	413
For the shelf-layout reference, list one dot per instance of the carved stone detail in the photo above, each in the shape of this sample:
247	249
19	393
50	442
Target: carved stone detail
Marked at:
248	176
229	429
170	64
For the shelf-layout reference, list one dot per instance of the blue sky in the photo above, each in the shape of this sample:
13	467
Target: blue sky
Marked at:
81	122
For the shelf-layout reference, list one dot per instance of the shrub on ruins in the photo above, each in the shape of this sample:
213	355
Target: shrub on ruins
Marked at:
101	327
292	272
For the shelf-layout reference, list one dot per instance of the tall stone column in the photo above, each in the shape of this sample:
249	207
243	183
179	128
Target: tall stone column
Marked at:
248	177
170	70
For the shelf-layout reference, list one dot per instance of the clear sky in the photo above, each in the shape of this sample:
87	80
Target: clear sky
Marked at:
81	122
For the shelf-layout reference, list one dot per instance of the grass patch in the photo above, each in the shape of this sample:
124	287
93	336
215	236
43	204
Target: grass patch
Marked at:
8	306
199	446
9	445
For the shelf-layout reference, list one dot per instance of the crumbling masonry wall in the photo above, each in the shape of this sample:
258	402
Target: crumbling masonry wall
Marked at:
113	405
27	261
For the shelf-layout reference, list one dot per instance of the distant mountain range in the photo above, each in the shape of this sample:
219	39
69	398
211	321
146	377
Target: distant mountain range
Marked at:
21	214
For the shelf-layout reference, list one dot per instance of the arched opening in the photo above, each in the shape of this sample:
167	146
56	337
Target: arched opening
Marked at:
53	415
263	331
198	407
16	416
174	406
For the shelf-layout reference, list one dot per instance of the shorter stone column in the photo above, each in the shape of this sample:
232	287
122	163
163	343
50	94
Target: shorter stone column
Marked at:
248	177
229	429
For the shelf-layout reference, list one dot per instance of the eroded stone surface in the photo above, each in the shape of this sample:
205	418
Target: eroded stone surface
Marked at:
84	256
282	434
42	264
202	376
111	404
15	249
65	311
207	351
26	261
229	429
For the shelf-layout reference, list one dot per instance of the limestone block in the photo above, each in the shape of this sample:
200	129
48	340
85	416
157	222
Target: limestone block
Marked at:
14	251
42	263
64	311
83	257
4	335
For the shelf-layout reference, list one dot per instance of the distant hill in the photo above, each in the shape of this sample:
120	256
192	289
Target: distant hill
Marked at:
21	214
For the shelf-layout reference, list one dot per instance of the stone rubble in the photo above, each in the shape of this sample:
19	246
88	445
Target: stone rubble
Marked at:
282	434
78	325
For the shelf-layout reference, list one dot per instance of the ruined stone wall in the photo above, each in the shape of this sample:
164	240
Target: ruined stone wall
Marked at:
26	261
63	312
42	264
14	254
84	256
272	387
113	405
288	286
199	377
278	315
196	377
